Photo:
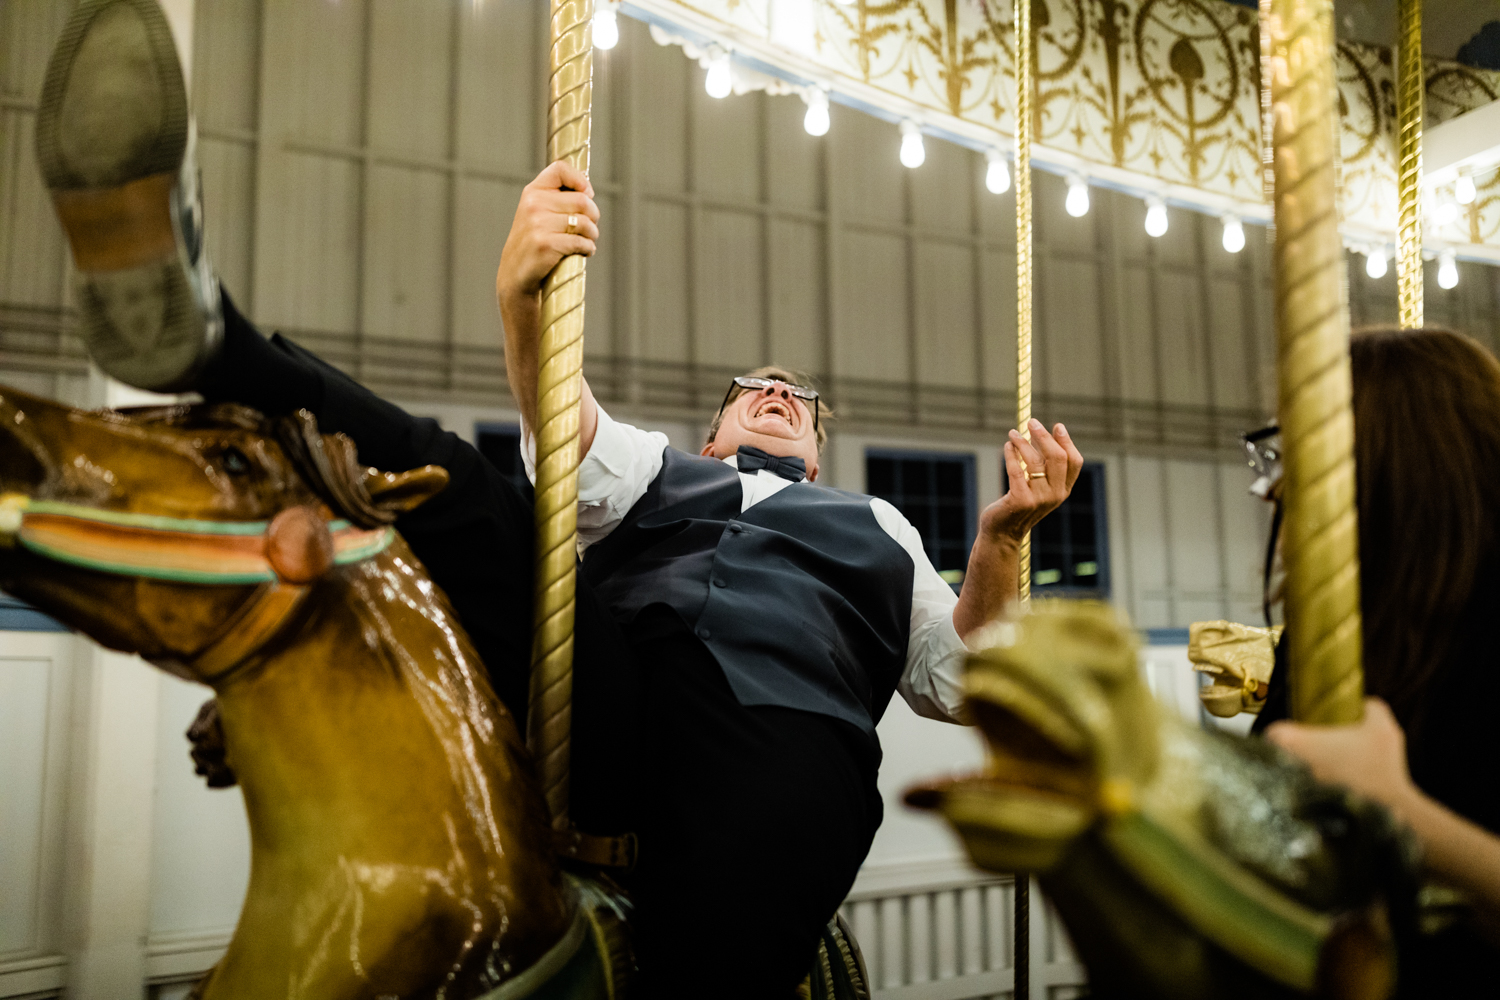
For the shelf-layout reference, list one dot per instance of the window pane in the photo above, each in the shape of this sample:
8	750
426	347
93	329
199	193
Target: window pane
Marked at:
501	445
1068	547
933	492
952	524
950	478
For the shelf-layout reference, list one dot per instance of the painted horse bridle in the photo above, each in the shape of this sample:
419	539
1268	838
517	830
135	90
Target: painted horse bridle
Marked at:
282	557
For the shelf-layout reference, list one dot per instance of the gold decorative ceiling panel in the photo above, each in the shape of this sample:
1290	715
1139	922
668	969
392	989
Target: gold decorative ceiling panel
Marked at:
1161	96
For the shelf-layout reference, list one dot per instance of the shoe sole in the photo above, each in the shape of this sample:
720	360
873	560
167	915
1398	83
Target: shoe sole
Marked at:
137	309
163	154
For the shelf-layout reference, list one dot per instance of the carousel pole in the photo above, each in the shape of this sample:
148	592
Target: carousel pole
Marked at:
1410	100
1320	540
1022	945
559	392
1023	252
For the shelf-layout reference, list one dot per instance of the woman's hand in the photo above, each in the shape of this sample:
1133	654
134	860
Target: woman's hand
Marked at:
1368	756
539	236
1031	498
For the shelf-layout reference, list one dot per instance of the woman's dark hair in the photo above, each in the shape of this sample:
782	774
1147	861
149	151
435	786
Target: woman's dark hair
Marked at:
1427	448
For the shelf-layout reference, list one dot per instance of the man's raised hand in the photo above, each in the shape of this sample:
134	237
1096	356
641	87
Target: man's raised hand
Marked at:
539	236
1031	498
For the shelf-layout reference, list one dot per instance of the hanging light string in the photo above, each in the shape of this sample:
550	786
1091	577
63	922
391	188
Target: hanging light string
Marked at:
559	394
1023	252
1320	541
1410	99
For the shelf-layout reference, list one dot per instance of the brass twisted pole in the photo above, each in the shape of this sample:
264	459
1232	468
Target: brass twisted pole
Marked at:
1320	545
1023	253
559	392
1021	945
1410	104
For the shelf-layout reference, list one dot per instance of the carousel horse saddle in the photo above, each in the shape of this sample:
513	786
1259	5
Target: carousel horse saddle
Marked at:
1185	864
592	961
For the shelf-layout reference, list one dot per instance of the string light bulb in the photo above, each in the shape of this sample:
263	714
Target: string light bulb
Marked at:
1078	197
719	81
1234	234
1156	217
606	27
1463	190
1446	214
1376	262
997	175
913	153
816	121
1447	270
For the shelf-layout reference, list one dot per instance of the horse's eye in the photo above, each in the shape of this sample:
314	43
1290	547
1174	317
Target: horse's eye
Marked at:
234	461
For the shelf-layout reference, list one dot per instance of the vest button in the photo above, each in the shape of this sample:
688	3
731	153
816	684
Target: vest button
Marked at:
736	528
719	581
703	633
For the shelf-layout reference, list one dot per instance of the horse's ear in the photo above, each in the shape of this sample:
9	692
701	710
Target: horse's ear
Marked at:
404	491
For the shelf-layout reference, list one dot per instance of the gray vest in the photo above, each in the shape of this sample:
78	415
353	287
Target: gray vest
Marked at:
804	600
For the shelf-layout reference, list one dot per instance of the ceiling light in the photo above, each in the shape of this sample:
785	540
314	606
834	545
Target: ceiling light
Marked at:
1447	270
1078	197
1463	190
913	153
997	175
1376	262
606	27
816	119
1446	214
1156	217
719	81
1234	234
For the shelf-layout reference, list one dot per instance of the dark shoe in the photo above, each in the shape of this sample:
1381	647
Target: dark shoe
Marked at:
116	146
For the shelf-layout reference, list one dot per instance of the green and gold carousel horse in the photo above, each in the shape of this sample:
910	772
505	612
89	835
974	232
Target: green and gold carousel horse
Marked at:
1185	864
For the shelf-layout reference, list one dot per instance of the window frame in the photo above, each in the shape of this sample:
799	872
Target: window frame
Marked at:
1104	589
971	487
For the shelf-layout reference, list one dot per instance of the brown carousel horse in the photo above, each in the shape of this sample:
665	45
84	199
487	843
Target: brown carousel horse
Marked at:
399	843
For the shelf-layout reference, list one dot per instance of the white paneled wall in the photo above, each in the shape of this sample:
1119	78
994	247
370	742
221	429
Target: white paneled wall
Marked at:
35	698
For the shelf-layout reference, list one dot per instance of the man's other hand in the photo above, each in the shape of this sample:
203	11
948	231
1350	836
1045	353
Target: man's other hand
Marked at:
1032	497
539	236
1041	473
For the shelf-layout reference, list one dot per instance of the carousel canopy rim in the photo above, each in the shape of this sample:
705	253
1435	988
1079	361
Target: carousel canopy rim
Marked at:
947	67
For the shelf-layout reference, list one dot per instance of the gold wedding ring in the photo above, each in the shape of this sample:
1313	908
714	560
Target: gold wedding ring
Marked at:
572	225
1036	475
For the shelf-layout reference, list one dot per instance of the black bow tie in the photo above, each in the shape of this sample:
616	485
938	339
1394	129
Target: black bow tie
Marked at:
753	459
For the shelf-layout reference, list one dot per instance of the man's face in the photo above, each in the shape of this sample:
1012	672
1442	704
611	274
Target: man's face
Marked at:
771	419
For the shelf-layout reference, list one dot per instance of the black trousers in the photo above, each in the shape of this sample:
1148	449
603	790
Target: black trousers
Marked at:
752	821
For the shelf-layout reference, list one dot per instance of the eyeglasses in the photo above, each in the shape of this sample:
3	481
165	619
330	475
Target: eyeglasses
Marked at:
754	382
1263	452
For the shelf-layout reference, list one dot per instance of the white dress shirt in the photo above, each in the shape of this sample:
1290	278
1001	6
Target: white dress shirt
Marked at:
623	461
